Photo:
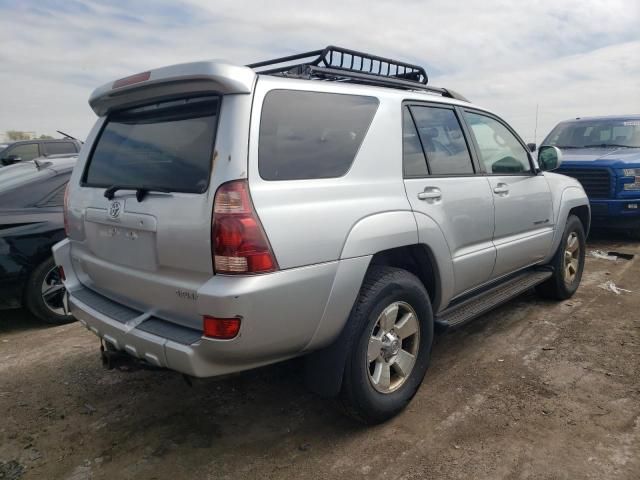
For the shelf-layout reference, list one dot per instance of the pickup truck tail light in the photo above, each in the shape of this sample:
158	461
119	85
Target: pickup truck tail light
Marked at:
65	209
238	242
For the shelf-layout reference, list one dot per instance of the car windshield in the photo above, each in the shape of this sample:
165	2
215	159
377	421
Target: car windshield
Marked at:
616	132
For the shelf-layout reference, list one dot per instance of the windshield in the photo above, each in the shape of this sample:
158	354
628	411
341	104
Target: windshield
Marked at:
596	133
165	146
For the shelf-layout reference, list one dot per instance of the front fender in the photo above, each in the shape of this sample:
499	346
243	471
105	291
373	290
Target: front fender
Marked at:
571	197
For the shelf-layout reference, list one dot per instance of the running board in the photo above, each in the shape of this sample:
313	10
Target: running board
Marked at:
461	313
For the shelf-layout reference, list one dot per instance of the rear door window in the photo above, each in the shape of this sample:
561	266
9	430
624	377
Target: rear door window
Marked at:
443	141
167	145
59	148
413	160
308	135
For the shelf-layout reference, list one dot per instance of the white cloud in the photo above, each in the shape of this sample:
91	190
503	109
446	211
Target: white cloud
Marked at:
572	57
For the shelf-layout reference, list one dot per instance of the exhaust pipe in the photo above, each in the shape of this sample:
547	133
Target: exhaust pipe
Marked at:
113	359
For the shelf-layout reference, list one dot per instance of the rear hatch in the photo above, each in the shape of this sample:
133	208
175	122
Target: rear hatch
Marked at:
140	210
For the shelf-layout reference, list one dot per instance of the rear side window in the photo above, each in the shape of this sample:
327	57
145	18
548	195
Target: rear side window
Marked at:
307	135
166	145
59	148
56	197
413	161
443	141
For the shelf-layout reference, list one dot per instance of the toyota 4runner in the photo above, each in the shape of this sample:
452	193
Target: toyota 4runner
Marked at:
331	205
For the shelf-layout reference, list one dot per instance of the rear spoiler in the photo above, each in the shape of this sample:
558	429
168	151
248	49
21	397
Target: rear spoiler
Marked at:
169	82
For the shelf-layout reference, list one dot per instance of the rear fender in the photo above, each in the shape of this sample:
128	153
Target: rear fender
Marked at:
324	368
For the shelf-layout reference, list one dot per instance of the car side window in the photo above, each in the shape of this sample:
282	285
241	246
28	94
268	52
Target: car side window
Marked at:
59	148
500	151
55	198
442	140
28	151
413	160
311	135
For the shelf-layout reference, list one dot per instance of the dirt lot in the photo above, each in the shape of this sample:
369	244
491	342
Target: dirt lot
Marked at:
533	390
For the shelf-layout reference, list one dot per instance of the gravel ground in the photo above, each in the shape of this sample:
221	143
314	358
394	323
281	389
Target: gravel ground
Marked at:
534	389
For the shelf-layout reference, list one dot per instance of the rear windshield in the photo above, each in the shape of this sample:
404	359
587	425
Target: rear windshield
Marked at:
305	135
164	146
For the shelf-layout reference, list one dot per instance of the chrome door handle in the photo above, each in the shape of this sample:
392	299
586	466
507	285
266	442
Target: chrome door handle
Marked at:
430	193
501	189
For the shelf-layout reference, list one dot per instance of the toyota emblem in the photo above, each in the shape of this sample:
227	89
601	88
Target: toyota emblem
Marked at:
114	209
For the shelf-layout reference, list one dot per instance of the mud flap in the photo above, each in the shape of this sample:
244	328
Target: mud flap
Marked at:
324	369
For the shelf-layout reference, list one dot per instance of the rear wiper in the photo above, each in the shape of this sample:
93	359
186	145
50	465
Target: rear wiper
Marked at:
141	192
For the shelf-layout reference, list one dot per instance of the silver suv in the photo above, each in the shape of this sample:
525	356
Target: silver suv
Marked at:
330	205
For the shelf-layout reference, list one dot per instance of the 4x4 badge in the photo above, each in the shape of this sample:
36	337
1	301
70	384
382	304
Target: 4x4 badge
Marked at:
115	208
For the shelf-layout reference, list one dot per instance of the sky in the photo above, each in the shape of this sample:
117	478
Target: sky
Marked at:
566	58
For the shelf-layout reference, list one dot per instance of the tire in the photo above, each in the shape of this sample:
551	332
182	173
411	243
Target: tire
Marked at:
365	395
34	296
561	286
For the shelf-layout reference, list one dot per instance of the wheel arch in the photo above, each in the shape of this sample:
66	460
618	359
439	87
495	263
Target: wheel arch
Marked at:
324	368
572	200
584	215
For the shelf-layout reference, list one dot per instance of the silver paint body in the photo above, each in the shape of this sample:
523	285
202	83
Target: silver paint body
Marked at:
155	257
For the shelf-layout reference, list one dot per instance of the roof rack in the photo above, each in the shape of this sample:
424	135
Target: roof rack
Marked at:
341	64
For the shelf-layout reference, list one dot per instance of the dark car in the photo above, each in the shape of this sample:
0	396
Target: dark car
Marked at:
603	153
30	149
31	222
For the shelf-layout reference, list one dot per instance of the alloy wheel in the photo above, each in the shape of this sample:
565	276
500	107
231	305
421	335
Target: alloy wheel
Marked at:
571	258
54	294
393	347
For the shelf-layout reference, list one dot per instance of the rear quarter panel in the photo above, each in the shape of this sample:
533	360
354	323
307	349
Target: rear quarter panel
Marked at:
308	221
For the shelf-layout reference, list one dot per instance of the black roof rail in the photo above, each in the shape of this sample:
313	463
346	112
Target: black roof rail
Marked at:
342	64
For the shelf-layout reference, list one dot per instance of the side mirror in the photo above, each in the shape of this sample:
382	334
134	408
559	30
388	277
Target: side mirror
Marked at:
532	147
549	158
11	159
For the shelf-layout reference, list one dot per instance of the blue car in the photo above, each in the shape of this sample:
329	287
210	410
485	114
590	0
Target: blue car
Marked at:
603	153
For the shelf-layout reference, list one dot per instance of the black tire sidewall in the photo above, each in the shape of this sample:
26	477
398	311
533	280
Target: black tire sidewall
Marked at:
397	286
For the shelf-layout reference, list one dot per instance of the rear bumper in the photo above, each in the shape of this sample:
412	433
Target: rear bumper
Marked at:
283	315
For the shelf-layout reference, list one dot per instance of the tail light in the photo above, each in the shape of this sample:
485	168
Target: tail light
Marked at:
238	242
65	210
220	328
